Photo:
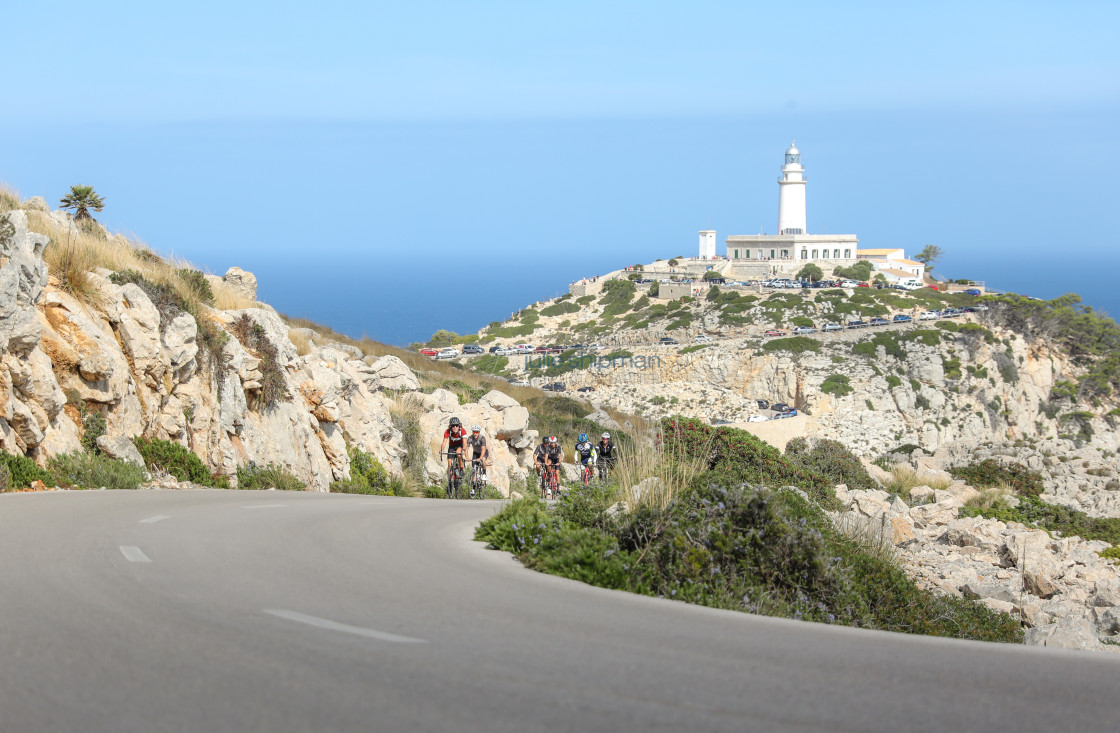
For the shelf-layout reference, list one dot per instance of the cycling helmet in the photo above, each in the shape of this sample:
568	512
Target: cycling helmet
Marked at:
607	436
475	429
582	437
454	422
552	439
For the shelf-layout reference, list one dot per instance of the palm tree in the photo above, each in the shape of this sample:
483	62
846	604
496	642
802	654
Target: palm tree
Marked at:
81	199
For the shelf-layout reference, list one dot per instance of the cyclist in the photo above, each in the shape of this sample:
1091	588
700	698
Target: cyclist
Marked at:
454	439
554	454
606	450
476	448
585	452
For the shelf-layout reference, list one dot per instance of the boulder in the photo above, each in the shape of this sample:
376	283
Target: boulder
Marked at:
515	420
1067	633
979	590
242	283
120	448
1039	583
390	373
36	203
902	531
496	400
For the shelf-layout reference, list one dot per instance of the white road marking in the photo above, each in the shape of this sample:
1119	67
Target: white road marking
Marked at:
153	520
323	623
134	554
264	506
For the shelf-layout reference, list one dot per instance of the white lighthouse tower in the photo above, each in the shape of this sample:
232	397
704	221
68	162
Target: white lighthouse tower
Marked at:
791	194
707	244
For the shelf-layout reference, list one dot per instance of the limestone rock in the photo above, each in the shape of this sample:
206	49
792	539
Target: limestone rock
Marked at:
390	373
242	283
120	448
1067	633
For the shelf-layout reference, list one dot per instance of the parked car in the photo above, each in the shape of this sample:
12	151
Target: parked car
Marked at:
668	341
857	324
447	353
950	313
902	318
586	389
829	327
506	351
879	321
973	291
523	349
541	350
553	387
494	349
518	383
472	349
863	285
929	316
849	283
429	352
579	347
982	307
595	347
757	418
780	407
788	413
774	332
803	330
763	404
703	339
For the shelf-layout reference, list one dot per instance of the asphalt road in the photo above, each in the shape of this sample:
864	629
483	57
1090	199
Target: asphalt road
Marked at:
266	611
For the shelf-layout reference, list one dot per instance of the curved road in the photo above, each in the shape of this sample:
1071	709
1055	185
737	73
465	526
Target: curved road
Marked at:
266	611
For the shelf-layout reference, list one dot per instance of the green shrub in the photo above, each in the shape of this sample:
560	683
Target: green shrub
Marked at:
22	471
793	344
490	364
915	384
368	476
1064	389
832	460
197	284
925	336
693	348
93	427
177	460
991	473
271	476
889	343
801	321
87	470
952	368
893	381
5	478
836	384
559	309
949	326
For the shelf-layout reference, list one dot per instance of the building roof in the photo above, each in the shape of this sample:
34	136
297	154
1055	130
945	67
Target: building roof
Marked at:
878	251
896	273
910	262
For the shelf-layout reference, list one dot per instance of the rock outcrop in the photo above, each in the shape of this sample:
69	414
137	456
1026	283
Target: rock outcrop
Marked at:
242	394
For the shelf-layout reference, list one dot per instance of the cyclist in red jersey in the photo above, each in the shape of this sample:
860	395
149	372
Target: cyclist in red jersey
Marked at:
454	440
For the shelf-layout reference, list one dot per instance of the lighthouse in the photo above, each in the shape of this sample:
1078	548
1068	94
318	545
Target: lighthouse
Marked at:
791	194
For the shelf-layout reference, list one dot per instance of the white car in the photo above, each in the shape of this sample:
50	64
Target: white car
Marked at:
448	353
504	351
702	339
523	349
757	418
518	383
929	316
595	347
849	284
832	327
802	330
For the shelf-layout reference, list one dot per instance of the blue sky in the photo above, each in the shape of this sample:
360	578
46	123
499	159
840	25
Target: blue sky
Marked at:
364	159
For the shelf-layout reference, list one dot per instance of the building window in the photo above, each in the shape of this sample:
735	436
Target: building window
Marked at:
785	254
804	254
815	255
836	254
847	254
736	254
771	254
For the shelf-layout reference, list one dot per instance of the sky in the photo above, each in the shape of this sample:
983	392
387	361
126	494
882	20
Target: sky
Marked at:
390	169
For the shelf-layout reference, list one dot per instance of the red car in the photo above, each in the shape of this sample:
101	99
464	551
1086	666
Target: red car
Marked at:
774	332
429	352
863	285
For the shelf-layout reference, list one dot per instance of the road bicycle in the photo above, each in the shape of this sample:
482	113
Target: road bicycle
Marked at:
454	475
604	471
478	479
550	482
587	474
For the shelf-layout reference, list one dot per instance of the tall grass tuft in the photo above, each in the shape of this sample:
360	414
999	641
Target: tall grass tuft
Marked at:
654	472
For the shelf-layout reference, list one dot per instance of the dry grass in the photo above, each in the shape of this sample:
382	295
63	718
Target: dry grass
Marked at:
993	498
9	198
653	473
225	299
904	479
301	341
873	536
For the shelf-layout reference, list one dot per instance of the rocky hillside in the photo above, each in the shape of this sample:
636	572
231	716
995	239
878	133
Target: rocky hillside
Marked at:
1025	379
91	323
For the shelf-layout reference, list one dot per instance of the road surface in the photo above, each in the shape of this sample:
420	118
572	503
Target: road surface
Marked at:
267	611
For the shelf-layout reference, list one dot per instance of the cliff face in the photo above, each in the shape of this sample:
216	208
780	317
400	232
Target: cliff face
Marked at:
253	398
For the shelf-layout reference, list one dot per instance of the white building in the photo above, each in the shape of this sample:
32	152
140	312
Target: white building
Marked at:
707	244
791	243
892	263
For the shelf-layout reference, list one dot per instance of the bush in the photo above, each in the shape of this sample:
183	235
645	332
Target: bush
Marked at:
271	476
740	548
252	336
5	478
889	343
559	309
836	384
793	344
831	459
87	470
991	473
197	284
368	476
93	427
740	456
22	471
177	460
